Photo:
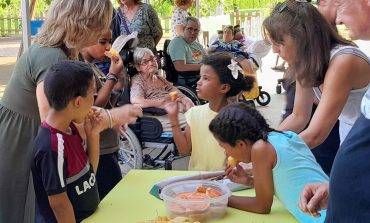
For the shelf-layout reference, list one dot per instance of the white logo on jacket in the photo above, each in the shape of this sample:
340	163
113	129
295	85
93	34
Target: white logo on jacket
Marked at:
86	185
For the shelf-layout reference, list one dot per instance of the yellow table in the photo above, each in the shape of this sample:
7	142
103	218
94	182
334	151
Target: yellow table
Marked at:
130	202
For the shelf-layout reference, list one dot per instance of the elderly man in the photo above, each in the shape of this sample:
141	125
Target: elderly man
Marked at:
347	195
187	53
327	9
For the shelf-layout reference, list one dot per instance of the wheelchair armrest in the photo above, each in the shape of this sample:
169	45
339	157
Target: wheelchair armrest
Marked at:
154	111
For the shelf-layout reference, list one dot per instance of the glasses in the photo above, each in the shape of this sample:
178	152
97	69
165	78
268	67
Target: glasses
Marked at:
192	30
283	5
145	62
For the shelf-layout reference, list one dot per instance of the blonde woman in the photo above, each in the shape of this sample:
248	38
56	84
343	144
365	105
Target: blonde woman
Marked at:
70	26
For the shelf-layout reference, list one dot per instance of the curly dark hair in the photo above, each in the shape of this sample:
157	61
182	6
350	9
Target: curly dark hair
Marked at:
219	62
239	121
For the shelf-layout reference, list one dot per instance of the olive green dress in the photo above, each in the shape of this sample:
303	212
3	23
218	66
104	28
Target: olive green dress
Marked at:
19	122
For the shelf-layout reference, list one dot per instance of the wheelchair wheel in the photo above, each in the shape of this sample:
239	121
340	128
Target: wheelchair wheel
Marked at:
263	98
129	153
190	94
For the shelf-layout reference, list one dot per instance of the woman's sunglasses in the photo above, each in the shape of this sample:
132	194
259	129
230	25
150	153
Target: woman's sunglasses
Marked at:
283	5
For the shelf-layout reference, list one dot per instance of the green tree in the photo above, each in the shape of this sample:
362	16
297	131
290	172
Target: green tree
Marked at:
163	7
208	7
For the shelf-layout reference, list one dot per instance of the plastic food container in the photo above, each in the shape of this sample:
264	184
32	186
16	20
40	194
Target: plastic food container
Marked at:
182	199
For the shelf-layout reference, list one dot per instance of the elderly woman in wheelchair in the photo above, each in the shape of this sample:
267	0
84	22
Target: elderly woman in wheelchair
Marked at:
152	132
148	89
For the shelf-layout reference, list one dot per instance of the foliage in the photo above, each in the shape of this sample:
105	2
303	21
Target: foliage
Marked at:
209	7
11	8
163	7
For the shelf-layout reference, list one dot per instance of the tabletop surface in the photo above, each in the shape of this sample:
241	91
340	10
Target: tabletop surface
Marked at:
130	202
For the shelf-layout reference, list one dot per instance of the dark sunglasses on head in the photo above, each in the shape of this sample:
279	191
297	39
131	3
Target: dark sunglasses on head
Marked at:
283	5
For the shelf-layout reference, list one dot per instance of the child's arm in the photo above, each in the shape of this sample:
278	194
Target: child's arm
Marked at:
93	126
93	150
239	175
104	93
182	138
62	208
263	159
51	167
187	102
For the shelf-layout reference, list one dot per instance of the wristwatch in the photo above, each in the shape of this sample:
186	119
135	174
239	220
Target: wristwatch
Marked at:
112	77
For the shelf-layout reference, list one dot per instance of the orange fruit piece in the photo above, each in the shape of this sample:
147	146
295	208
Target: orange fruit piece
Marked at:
212	193
201	189
231	161
174	95
114	52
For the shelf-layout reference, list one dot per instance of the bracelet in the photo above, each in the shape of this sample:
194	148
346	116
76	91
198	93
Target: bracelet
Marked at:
112	77
110	118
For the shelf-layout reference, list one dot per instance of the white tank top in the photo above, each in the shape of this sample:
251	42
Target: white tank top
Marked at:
352	109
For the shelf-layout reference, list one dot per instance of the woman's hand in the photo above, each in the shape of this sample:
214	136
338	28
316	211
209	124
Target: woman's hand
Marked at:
314	197
126	114
239	175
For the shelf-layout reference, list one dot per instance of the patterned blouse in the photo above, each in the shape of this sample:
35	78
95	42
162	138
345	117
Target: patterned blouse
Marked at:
145	22
156	87
178	18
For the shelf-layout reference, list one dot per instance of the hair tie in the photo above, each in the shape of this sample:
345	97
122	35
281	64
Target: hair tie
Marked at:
234	67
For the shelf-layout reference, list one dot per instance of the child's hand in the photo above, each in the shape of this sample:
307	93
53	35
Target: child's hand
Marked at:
172	109
93	123
116	66
239	175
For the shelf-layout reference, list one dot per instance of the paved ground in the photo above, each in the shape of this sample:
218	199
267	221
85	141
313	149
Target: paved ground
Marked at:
6	67
9	47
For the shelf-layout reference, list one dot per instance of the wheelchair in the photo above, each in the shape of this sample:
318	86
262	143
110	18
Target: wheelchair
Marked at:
145	144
